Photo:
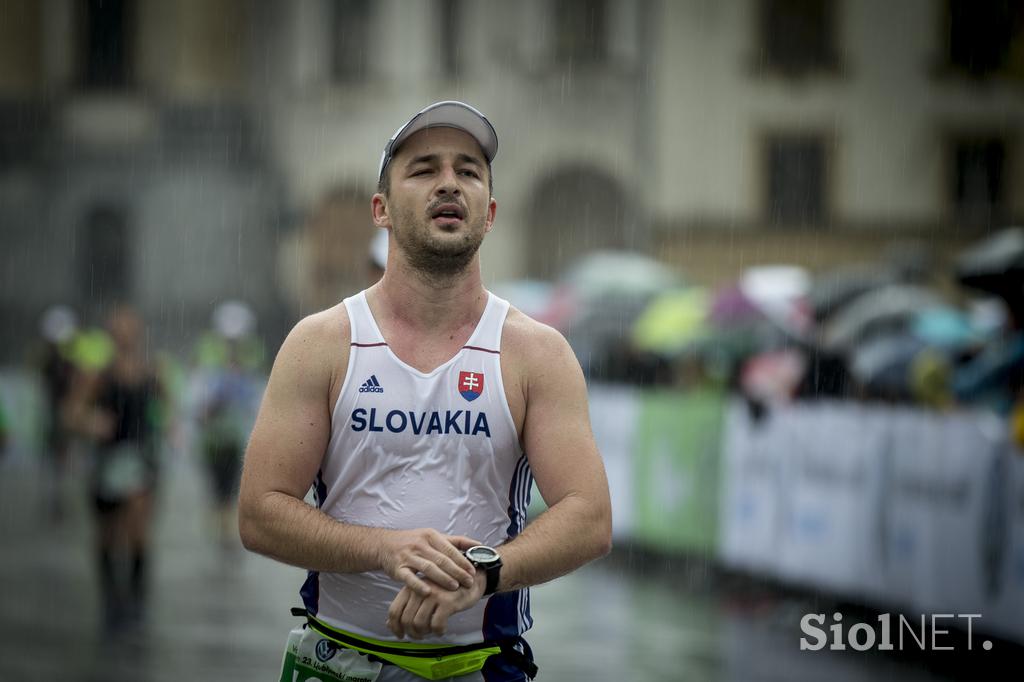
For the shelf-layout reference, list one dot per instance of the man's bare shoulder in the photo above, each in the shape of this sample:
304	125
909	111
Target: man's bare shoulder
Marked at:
325	327
317	340
532	343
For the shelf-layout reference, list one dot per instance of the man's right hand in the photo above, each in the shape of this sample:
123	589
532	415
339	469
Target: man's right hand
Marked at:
405	555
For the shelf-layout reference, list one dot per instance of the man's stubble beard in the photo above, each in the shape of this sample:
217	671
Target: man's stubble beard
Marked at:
436	258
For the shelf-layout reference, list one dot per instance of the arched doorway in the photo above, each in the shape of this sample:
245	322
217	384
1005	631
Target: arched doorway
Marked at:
105	253
328	257
575	210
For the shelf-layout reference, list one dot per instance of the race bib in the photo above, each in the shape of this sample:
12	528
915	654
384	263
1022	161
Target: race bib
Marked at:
122	472
309	657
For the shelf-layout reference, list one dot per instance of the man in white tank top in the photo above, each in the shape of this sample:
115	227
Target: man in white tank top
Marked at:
420	411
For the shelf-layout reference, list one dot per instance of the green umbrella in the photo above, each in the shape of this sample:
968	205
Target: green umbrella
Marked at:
672	321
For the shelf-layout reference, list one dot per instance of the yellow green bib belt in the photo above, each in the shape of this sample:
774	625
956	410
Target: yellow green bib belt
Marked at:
430	661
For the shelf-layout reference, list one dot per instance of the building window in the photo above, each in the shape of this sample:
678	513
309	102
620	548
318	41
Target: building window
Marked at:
978	180
21	57
350	40
448	16
104	252
985	38
107	33
580	31
798	36
796	180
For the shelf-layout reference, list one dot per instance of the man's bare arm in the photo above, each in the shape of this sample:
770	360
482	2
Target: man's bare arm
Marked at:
576	528
285	451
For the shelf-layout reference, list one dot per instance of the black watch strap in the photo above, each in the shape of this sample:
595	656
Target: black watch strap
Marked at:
493	575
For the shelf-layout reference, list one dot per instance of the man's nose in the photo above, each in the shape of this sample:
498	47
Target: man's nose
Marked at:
448	182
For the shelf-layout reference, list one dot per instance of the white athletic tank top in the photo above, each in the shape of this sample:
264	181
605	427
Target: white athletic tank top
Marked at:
412	450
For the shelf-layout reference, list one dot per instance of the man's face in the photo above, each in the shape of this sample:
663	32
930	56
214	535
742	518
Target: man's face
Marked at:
125	328
439	205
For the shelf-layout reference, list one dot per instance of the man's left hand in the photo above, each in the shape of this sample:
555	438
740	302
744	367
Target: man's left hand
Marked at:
418	617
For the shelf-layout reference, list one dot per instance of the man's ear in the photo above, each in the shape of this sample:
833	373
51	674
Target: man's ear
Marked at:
379	210
492	210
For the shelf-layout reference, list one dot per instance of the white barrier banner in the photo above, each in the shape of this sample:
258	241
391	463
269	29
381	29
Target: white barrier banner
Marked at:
917	511
831	485
911	479
967	497
751	495
613	417
1005	616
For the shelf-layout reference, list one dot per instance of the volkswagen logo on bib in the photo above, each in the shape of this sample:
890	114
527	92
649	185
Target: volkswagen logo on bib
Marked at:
471	385
325	650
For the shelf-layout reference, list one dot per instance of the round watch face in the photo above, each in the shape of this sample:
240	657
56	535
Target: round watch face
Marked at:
481	554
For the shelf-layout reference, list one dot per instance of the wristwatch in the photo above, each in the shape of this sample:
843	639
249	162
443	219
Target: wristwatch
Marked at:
488	559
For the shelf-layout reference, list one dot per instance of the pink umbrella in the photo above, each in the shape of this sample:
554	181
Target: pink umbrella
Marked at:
731	307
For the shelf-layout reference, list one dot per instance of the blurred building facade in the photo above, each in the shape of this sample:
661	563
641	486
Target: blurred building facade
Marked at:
816	130
179	153
132	166
564	83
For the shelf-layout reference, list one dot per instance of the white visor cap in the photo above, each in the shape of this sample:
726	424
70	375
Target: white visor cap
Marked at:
447	114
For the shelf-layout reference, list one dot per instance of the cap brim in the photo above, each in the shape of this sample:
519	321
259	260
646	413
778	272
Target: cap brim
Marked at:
448	114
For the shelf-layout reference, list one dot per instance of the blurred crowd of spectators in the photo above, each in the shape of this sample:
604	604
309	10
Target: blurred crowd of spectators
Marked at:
899	331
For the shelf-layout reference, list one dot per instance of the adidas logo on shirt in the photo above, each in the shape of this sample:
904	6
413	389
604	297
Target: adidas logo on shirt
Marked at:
371	385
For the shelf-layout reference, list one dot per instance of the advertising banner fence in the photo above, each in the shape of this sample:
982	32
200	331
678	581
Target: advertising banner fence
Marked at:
752	498
676	470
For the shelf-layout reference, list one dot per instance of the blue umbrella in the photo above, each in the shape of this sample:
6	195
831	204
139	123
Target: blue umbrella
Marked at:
944	327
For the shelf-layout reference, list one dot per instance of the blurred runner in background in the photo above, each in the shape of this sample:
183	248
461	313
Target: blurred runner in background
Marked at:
3	430
58	328
117	406
227	388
